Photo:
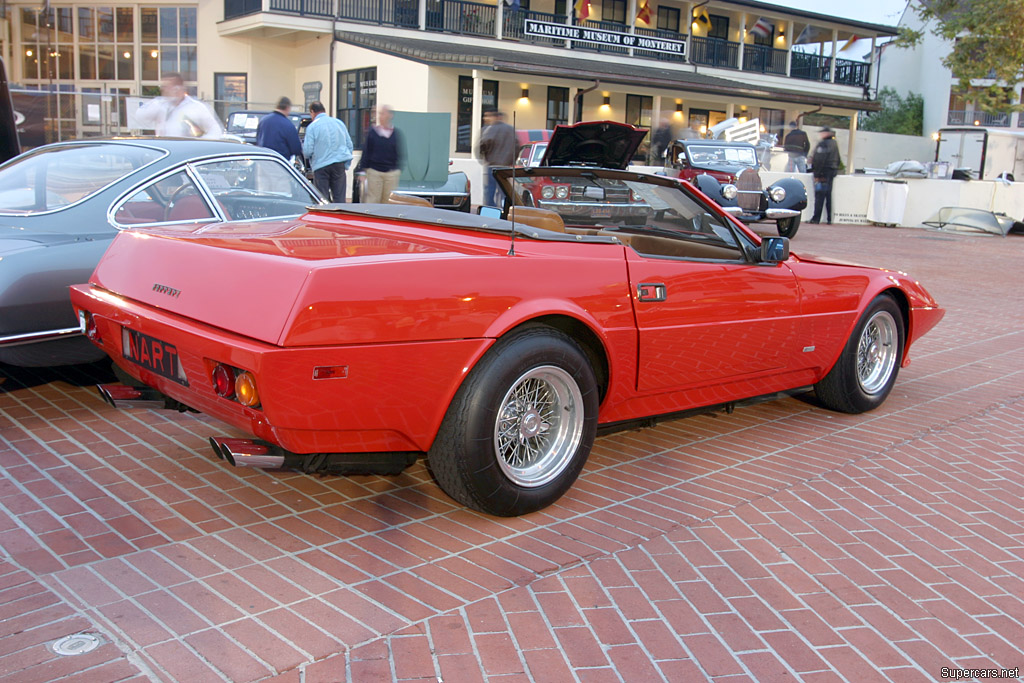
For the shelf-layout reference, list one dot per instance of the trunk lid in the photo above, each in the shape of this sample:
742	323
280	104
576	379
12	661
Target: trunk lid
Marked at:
248	278
606	144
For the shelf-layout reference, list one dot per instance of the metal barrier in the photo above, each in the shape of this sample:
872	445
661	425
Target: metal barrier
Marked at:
461	17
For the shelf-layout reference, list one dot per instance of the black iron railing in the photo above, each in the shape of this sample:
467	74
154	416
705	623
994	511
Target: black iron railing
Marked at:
810	67
514	22
305	8
384	12
239	8
461	17
849	72
764	59
714	52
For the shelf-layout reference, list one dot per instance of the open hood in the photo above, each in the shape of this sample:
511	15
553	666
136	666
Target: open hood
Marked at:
605	144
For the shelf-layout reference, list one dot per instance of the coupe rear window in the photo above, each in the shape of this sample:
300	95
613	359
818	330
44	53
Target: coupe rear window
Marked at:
56	177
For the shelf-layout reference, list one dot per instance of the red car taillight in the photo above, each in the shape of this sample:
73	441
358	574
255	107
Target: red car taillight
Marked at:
224	381
88	324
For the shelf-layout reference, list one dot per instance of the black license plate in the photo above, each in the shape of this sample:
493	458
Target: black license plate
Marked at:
153	354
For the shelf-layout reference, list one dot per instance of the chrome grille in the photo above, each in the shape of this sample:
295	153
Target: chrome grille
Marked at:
749	185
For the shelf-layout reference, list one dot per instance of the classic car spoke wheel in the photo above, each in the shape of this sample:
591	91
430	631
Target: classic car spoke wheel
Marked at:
788	226
521	426
539	426
866	370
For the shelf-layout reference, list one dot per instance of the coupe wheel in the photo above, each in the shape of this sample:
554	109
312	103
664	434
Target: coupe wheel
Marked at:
866	370
521	426
788	226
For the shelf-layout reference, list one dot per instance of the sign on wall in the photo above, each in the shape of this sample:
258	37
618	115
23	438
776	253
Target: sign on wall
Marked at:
546	29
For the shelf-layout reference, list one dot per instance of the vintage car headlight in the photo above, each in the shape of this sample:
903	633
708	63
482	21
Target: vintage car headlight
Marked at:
562	191
729	191
777	193
547	192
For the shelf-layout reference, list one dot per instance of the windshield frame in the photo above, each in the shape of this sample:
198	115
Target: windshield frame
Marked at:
717	144
56	147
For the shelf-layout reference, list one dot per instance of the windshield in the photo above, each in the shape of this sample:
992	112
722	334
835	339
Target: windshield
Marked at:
240	122
56	177
592	203
716	154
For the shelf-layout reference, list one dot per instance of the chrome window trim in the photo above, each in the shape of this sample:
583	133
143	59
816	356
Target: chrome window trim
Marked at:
184	167
276	158
78	143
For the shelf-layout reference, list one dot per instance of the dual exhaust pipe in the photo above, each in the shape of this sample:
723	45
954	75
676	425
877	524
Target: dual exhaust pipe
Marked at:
249	453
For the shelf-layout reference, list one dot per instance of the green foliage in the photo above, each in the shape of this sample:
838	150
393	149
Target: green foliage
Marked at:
988	45
903	115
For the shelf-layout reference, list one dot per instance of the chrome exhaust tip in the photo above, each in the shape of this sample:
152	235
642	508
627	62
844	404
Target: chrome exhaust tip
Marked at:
248	453
123	396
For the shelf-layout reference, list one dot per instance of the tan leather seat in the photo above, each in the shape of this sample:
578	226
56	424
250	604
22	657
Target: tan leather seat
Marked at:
409	200
654	245
545	219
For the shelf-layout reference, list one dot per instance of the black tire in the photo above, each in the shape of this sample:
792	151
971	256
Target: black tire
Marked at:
843	389
788	226
464	457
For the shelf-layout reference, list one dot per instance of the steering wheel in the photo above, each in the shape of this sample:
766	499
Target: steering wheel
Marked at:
175	196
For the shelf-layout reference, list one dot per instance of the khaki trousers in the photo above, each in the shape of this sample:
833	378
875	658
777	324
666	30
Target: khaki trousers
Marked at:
380	185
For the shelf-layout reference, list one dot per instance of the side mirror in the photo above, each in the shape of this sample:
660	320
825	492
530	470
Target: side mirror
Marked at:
489	211
774	249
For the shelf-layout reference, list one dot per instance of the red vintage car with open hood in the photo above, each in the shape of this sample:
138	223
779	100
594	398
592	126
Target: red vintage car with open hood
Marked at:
359	337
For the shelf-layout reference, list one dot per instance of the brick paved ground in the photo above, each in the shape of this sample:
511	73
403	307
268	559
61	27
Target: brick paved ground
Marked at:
780	542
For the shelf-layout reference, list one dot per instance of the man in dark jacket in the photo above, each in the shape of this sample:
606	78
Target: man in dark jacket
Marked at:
797	145
277	132
498	148
825	167
382	158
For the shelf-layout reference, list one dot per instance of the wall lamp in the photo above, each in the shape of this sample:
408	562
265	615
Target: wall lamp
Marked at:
679	106
526	94
607	100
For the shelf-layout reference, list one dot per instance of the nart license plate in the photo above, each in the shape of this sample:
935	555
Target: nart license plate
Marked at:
153	354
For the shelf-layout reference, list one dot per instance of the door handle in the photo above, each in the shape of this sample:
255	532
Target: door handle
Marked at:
651	291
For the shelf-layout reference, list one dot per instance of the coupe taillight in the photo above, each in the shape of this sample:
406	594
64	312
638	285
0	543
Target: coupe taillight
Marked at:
245	389
224	381
87	323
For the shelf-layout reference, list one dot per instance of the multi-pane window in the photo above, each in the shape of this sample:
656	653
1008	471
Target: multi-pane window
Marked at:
558	107
613	10
668	19
719	27
357	100
638	113
168	42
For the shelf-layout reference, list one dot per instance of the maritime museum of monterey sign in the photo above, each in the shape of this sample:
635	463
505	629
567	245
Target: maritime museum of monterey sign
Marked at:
546	29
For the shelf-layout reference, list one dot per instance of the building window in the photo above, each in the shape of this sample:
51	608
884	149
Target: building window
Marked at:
488	98
668	19
774	122
613	10
357	100
230	92
719	27
558	107
638	113
168	42
765	39
464	116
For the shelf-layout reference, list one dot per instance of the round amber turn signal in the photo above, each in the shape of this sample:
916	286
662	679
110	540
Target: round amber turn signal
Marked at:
245	390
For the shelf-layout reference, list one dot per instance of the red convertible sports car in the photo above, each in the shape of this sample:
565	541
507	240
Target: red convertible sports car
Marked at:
359	337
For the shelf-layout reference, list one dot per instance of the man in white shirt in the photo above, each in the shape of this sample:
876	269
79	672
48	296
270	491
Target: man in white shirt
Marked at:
176	114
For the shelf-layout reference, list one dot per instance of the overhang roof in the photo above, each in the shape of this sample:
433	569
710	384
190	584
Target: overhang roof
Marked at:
570	65
776	9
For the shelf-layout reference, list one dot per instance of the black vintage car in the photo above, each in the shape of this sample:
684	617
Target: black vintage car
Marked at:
728	172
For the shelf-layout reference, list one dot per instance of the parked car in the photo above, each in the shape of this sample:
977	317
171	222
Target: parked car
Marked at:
728	172
363	336
243	123
452	194
62	204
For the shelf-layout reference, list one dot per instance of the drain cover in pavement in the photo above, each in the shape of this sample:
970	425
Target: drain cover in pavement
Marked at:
77	644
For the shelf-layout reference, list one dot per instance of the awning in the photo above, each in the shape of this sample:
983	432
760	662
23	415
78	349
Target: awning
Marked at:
575	65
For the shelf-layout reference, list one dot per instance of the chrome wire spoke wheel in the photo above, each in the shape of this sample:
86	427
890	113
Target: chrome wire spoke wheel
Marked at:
876	352
539	426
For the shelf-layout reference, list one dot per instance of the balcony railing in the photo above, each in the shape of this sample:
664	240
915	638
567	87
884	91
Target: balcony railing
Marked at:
383	12
305	8
960	117
660	33
514	23
461	17
849	72
714	52
239	8
764	59
810	67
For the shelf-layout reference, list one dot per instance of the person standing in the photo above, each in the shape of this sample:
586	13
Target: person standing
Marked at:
797	145
277	132
176	114
382	158
825	167
498	148
660	141
328	146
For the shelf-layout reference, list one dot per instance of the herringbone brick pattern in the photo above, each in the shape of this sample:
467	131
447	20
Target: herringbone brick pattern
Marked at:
781	542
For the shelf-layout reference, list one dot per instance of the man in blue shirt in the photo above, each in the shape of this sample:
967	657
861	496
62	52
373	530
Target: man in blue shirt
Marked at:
328	146
277	132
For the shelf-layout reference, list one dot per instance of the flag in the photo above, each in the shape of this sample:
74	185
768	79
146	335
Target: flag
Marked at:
583	9
813	34
513	5
701	15
763	28
643	12
848	44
